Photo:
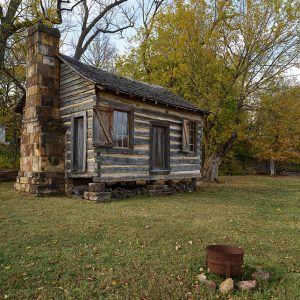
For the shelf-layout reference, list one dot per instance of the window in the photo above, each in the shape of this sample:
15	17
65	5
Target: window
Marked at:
78	138
192	136
113	127
121	129
189	136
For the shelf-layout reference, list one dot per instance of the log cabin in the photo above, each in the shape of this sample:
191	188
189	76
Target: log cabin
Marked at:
84	126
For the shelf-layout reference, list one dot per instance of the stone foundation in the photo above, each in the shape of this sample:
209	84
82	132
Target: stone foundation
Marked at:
102	192
41	184
97	196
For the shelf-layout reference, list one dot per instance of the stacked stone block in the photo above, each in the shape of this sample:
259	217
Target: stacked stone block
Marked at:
97	192
42	139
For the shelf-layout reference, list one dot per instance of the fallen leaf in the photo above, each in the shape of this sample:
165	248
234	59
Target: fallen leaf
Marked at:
177	247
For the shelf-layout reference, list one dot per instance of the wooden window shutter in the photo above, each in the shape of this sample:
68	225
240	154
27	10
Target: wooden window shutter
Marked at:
185	136
103	130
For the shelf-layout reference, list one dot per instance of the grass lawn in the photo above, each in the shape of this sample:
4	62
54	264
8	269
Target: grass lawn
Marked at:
65	248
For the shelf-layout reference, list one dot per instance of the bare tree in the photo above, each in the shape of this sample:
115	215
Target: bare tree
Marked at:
15	17
101	53
9	12
149	10
101	17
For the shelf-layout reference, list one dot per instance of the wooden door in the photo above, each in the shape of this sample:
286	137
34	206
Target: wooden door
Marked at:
160	148
78	144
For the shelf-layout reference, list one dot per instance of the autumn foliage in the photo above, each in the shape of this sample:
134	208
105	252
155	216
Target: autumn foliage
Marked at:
277	126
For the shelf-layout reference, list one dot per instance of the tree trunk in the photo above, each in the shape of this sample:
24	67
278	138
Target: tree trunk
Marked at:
211	167
213	161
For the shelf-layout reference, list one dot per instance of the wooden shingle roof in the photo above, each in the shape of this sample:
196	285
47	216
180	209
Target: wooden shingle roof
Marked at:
116	83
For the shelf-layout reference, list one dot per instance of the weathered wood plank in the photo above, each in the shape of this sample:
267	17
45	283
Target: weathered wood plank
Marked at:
77	99
86	103
149	117
77	108
75	90
128	169
141	123
129	177
136	151
184	160
74	86
111	97
185	167
68	116
68	76
141	132
71	80
122	160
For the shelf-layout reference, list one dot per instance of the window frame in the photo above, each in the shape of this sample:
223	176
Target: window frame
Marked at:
166	125
84	163
111	109
185	149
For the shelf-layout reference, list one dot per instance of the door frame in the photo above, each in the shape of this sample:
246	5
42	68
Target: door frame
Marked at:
78	115
167	147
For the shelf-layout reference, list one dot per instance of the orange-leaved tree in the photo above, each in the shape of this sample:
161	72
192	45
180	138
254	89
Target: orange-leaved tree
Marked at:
277	127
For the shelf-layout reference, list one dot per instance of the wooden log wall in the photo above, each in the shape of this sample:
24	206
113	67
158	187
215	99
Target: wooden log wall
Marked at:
77	96
133	164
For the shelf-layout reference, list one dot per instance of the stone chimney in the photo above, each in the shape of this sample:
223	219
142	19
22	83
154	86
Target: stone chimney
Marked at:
42	139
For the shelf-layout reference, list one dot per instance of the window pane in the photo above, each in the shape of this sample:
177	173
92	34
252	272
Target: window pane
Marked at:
115	127
120	129
125	124
192	134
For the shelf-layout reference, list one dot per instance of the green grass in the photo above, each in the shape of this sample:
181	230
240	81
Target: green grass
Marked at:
9	158
65	248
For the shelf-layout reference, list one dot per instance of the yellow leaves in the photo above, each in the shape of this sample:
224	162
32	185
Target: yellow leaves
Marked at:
278	126
20	72
213	56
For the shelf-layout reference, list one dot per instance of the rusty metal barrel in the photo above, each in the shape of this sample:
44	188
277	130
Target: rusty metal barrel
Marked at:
225	260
